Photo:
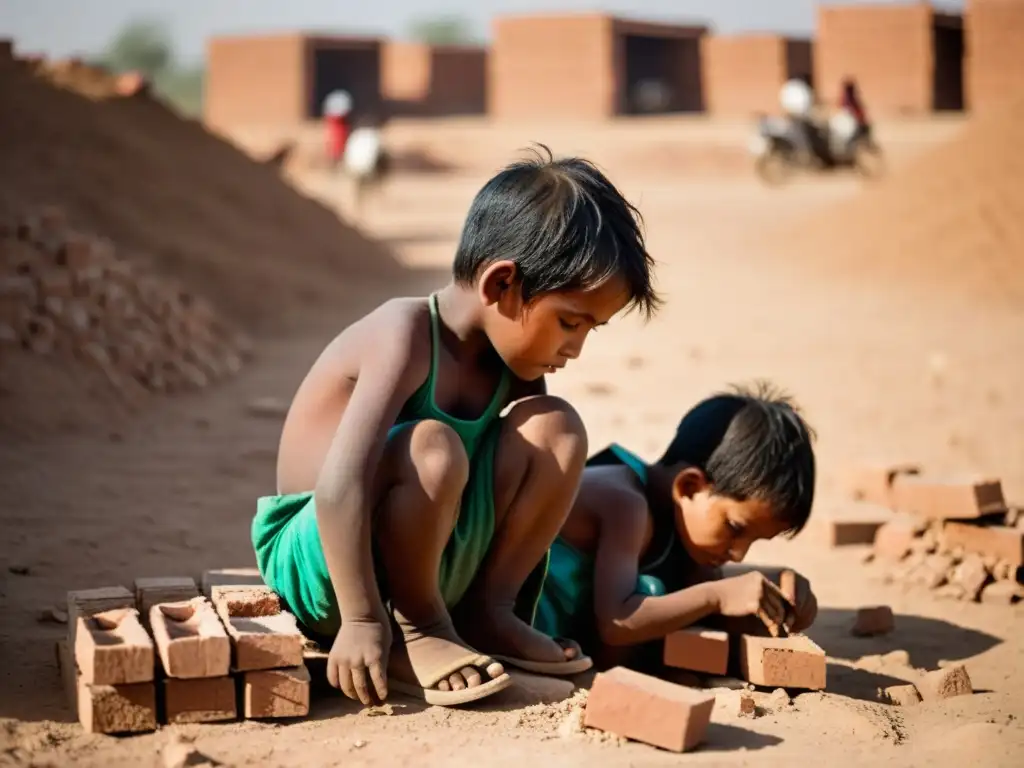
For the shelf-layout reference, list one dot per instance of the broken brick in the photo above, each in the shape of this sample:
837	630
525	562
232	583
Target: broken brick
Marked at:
941	499
1002	593
108	709
849	526
191	639
971	575
945	683
782	662
230	577
89	602
200	700
877	620
873	483
998	541
894	540
275	693
644	708
903	695
747	706
698	649
259	640
113	648
173	589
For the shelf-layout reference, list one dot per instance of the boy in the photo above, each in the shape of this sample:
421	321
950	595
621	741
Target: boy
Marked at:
398	481
640	554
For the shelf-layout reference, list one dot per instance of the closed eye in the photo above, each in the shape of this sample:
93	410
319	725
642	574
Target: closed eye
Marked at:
569	326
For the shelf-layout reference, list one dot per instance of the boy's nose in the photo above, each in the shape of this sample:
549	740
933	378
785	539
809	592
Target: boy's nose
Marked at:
738	551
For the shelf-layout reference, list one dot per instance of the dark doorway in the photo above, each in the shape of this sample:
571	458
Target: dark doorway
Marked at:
355	69
948	75
662	75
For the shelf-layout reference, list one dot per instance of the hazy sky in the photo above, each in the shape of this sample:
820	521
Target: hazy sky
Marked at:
63	27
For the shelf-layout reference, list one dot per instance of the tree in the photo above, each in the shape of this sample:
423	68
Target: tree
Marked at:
443	30
144	46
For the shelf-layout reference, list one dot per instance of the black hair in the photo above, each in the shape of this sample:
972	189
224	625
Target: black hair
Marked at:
565	226
751	444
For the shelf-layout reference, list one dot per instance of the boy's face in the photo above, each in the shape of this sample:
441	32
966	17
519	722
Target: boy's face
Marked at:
716	529
541	337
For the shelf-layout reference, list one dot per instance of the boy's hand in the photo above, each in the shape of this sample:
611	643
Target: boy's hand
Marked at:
798	591
751	594
358	661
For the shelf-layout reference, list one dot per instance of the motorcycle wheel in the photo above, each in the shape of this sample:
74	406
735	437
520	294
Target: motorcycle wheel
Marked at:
774	168
868	159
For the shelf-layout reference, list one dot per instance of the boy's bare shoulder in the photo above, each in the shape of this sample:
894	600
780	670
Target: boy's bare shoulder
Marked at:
612	490
398	326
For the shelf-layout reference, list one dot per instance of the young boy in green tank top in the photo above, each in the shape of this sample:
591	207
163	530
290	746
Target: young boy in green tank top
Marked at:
642	551
407	496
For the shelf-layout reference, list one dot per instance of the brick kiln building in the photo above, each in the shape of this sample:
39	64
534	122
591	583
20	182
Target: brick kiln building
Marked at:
907	59
284	79
994	69
590	66
419	79
744	73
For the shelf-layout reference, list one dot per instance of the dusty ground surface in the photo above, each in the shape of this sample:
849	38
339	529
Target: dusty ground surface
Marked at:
882	368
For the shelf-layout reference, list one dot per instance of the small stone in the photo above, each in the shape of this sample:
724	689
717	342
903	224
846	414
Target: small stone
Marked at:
1003	570
945	683
972	575
358	743
384	710
181	753
747	706
53	616
1002	593
870	622
779	699
902	695
950	592
572	725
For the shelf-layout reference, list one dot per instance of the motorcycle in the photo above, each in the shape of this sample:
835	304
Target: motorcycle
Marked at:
778	152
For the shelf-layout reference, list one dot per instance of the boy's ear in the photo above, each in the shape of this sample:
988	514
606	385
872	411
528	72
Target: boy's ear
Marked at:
497	282
688	483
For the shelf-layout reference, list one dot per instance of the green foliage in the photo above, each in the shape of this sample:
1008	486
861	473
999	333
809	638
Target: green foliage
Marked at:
443	30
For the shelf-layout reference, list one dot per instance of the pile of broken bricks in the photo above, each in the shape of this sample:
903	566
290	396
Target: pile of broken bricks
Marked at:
168	654
955	536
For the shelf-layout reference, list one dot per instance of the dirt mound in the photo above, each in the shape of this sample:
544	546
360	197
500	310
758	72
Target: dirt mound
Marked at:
952	221
164	188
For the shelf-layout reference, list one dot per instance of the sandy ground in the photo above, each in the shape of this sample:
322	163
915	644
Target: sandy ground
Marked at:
881	372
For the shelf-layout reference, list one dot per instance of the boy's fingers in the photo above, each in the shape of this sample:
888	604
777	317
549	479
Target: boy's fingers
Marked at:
787	585
345	683
361	684
380	681
332	674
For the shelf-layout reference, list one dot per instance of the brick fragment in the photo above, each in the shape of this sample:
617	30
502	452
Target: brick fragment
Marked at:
171	589
948	499
698	649
644	708
971	575
873	482
945	683
782	662
89	602
202	700
109	709
190	638
1002	593
113	648
998	541
276	693
894	540
876	620
259	640
902	695
230	577
747	706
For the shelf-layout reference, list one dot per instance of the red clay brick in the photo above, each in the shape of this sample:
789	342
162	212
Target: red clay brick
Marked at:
1001	542
205	700
945	683
260	640
89	602
276	693
782	662
699	650
873	482
113	648
190	639
109	709
877	620
644	708
173	589
948	499
230	577
835	531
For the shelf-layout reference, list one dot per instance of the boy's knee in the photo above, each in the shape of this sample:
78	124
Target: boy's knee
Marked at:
439	456
551	424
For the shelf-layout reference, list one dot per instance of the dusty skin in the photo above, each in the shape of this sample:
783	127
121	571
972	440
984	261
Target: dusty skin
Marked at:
920	363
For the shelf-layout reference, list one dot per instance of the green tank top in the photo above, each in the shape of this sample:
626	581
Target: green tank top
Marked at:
422	404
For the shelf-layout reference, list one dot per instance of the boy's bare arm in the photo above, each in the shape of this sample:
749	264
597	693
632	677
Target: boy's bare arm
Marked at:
392	366
623	616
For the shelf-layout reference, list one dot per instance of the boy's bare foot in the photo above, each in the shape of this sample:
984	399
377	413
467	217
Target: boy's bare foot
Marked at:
502	633
435	657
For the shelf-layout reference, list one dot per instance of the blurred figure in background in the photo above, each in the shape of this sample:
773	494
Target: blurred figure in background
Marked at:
797	101
850	101
365	160
337	108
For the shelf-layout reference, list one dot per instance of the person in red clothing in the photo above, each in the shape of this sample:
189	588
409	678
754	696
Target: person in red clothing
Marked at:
337	110
850	101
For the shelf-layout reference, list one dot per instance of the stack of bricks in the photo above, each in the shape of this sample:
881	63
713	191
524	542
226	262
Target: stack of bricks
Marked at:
63	293
956	536
169	655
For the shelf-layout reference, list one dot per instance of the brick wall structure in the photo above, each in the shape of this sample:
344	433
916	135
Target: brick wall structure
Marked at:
419	79
907	59
744	73
589	66
283	79
995	53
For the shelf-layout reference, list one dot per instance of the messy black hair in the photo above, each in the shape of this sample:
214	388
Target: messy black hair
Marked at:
565	226
751	443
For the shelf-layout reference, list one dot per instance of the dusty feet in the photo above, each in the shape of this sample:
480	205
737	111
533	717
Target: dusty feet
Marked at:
436	660
502	633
